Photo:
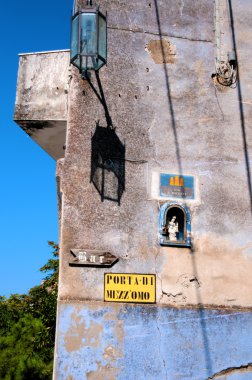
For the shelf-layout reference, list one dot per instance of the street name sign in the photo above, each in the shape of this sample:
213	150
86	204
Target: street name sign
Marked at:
127	287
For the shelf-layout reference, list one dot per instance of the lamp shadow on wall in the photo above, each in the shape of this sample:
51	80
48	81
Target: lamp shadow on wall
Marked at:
202	318
107	164
242	118
107	155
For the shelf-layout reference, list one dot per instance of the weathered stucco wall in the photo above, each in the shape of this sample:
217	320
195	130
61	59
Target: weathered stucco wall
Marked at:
172	117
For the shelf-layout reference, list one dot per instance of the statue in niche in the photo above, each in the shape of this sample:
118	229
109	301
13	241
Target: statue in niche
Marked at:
174	226
172	229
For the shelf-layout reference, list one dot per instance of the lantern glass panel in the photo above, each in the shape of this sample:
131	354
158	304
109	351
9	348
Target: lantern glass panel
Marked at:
88	34
74	37
102	44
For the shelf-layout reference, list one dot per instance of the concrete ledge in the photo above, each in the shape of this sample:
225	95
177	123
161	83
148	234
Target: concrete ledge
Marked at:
41	99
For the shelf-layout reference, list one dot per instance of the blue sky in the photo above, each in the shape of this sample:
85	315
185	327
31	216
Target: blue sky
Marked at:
28	203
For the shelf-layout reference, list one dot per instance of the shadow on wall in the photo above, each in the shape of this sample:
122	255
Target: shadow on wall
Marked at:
169	98
107	154
242	118
107	164
203	324
203	320
170	107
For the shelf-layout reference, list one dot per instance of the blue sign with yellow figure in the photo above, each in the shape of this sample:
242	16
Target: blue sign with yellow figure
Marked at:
176	186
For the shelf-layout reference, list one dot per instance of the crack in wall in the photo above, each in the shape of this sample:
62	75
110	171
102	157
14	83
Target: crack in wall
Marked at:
231	370
178	297
172	295
136	30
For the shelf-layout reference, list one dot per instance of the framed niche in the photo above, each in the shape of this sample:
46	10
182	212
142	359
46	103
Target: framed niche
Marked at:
174	225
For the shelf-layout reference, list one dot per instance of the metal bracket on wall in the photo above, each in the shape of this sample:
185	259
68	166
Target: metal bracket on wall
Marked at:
225	58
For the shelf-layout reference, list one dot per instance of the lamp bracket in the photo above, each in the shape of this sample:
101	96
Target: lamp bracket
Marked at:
86	75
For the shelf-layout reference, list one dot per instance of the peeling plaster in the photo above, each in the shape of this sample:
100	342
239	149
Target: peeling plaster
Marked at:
224	374
94	334
103	373
187	280
79	334
198	279
175	298
109	353
161	51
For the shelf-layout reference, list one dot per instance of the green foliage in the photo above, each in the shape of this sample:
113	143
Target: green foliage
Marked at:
27	328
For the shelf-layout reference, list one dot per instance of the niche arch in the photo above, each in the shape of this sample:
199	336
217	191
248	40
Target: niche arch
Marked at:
174	225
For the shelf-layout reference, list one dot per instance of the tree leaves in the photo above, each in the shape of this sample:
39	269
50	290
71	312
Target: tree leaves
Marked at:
27	328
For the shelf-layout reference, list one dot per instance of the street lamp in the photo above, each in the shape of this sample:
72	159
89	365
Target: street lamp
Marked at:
88	38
